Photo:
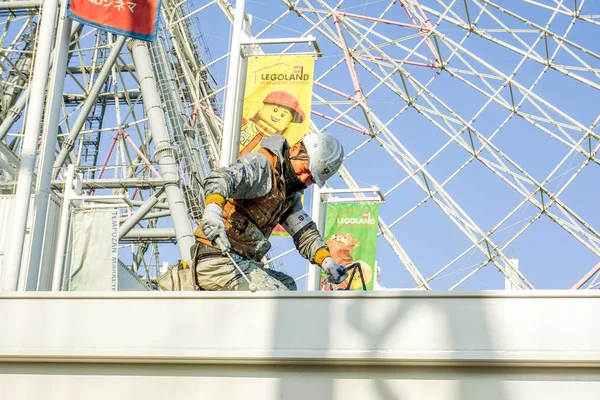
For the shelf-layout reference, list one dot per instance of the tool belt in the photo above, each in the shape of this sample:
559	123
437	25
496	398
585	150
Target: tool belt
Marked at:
181	277
201	250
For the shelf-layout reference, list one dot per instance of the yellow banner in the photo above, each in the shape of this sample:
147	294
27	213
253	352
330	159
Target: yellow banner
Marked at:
277	99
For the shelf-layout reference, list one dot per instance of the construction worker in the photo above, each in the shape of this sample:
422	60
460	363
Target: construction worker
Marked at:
244	203
280	109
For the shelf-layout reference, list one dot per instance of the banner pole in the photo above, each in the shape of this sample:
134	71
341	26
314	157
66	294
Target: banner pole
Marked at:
318	216
33	125
49	138
231	132
63	233
239	97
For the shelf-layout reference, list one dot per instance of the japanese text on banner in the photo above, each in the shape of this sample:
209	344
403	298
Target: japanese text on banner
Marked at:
132	18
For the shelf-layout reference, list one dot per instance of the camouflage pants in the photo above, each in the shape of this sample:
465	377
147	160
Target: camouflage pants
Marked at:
218	273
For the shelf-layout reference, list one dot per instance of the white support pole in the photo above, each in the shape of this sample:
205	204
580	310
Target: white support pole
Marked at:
164	152
239	96
318	210
376	277
508	284
30	141
231	133
59	259
49	137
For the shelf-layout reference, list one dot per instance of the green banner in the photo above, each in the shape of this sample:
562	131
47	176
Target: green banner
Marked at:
351	235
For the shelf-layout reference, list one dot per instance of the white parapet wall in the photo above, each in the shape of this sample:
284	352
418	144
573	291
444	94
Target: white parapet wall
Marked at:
404	345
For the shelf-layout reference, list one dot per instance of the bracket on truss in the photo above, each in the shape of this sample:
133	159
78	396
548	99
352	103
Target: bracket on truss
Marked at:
118	201
328	195
304	39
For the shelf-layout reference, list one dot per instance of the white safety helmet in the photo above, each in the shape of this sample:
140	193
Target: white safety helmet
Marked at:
325	155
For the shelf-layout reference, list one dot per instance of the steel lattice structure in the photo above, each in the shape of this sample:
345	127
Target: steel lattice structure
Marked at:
475	118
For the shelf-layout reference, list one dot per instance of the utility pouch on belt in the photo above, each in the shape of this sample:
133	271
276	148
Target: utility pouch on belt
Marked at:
203	250
180	277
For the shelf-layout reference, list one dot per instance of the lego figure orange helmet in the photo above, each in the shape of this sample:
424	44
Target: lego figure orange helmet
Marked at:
288	100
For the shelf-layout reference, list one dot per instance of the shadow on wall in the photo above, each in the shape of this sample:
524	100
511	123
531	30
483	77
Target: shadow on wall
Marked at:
298	386
377	326
449	330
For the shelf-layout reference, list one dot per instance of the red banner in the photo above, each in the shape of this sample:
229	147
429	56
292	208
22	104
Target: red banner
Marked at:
132	18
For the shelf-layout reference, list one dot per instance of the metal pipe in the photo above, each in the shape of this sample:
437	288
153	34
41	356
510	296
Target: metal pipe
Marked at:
80	69
19	77
398	61
20	5
586	277
30	141
181	130
153	233
231	133
151	215
140	154
69	143
318	215
49	137
136	203
139	214
384	21
15	111
348	58
61	245
241	87
373	189
141	183
337	121
120	96
163	151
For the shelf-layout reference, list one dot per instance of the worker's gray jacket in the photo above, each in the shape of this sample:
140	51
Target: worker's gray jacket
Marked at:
257	187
